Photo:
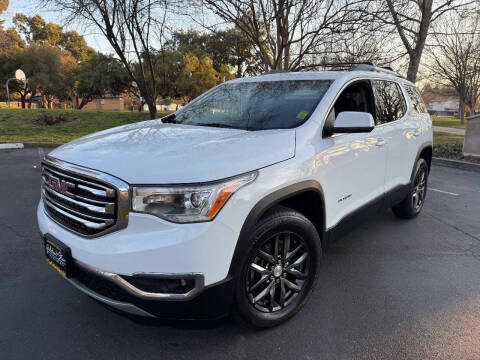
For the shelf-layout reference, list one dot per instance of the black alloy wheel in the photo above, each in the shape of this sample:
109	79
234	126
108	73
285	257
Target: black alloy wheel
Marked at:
419	188
280	268
277	272
411	206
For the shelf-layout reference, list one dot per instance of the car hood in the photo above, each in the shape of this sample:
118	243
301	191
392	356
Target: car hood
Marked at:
152	152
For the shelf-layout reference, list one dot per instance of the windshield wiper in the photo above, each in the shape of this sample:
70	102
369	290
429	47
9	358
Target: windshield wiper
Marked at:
220	125
170	119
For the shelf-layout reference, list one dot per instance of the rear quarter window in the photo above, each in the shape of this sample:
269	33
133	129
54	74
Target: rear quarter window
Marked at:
389	101
416	99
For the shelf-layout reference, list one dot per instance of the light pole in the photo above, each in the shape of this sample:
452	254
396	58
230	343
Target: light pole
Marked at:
19	76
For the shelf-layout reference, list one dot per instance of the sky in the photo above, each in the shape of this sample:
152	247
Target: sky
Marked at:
32	7
91	34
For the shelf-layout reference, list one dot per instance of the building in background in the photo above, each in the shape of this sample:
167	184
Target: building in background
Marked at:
440	101
443	105
167	105
107	103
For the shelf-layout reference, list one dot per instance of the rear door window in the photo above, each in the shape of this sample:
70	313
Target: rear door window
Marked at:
416	99
389	102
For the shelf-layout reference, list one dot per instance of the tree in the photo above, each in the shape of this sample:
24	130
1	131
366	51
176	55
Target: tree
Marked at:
130	26
8	65
224	48
10	40
455	58
169	64
37	31
76	45
285	31
3	5
98	76
365	44
196	77
231	47
412	21
49	71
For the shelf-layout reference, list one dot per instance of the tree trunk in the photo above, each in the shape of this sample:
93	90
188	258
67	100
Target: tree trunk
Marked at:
22	99
84	102
286	59
239	69
461	110
152	108
413	64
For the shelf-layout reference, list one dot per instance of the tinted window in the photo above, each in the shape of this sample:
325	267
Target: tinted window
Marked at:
416	99
255	105
356	97
389	102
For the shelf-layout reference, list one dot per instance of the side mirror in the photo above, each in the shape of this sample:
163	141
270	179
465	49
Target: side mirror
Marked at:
352	122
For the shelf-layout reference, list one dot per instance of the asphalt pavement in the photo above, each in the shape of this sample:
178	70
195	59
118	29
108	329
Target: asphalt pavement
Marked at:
391	289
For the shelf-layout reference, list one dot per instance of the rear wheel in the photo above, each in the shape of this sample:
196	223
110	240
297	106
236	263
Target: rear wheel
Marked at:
413	203
280	269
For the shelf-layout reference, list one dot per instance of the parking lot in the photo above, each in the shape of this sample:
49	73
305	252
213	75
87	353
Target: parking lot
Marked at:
391	289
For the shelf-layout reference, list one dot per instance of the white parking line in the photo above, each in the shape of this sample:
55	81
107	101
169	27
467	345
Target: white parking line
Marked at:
444	192
41	154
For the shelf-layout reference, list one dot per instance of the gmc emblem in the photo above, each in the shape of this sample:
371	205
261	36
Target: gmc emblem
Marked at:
60	186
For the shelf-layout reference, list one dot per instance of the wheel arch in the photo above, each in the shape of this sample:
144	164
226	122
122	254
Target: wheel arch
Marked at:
294	196
425	152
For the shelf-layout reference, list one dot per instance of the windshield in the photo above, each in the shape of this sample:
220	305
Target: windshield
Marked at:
255	105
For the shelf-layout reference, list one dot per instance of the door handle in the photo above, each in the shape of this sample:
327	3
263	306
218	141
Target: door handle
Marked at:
381	142
416	132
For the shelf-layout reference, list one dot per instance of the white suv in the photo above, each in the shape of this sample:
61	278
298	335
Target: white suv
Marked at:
230	201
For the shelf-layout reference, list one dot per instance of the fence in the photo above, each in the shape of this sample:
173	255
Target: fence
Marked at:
15	105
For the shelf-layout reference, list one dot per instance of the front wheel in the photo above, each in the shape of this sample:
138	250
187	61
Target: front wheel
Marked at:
280	269
413	203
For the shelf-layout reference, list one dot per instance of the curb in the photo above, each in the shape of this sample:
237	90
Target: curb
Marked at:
458	164
8	146
44	145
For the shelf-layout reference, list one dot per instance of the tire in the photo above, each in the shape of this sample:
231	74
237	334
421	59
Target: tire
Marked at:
411	206
298	243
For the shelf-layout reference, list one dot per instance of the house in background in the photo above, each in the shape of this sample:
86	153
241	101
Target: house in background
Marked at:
440	101
167	105
443	105
170	105
107	103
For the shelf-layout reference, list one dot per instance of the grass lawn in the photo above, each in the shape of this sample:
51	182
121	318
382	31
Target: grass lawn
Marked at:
20	125
449	146
446	121
445	138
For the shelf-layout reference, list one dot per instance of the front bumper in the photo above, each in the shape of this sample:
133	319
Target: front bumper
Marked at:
212	302
149	247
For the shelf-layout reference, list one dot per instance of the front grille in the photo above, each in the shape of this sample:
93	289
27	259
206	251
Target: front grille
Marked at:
85	205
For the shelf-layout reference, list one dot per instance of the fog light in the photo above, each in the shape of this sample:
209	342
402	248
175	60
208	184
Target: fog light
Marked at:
161	285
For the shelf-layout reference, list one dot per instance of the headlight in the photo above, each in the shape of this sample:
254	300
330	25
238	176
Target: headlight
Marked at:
187	203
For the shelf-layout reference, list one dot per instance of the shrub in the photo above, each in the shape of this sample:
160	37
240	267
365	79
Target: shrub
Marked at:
49	119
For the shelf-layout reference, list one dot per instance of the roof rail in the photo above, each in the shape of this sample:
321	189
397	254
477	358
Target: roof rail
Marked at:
352	66
371	67
275	71
333	66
